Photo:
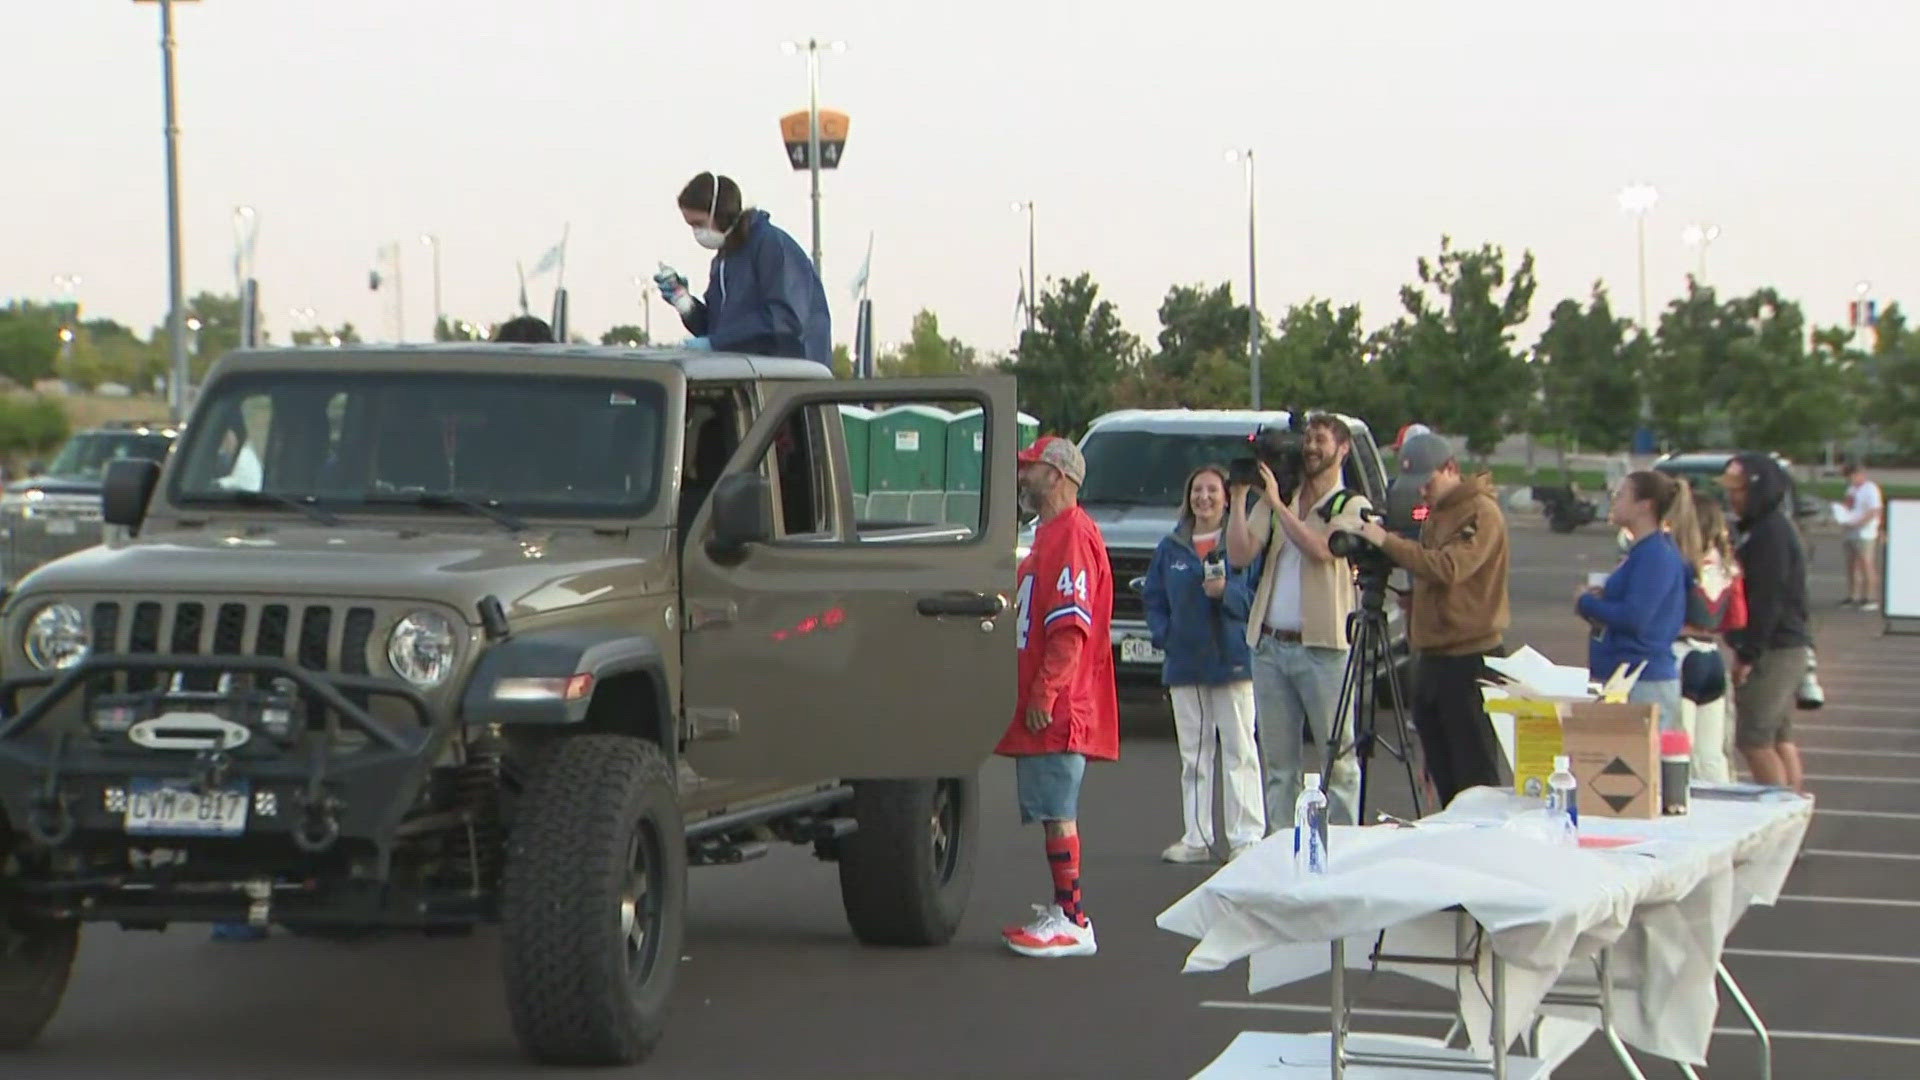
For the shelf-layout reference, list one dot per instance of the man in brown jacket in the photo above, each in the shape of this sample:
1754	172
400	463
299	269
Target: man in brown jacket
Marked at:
1459	613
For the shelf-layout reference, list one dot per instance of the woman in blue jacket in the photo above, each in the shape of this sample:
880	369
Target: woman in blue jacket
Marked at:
1196	605
1640	612
763	294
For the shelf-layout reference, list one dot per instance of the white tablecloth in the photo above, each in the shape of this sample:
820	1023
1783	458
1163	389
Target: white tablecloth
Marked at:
1665	905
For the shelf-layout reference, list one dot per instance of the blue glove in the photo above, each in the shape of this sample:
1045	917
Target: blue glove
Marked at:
699	344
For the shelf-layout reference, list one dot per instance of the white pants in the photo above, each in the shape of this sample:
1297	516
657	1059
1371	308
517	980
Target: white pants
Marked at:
1202	714
1706	725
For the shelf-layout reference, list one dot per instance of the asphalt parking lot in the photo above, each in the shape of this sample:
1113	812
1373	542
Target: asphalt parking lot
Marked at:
773	985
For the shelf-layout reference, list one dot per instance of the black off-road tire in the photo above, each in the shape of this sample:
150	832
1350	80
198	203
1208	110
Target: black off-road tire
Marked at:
597	845
906	873
35	960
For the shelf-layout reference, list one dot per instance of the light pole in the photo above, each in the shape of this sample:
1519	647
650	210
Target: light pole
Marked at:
69	286
1702	238
246	229
1253	279
1033	283
1638	199
812	48
646	305
176	299
433	242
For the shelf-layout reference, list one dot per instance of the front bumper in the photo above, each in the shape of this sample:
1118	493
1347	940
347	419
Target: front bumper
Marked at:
66	784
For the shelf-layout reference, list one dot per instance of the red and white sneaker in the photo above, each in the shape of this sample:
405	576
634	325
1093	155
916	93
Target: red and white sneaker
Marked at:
1052	934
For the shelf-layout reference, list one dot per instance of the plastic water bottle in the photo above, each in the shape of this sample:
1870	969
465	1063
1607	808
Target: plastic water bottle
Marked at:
1310	828
1563	803
681	299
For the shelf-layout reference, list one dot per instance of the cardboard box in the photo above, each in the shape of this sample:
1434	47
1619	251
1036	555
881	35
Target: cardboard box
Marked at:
1614	749
1614	745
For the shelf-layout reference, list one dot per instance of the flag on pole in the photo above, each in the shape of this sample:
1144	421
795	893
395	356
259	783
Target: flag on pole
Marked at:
522	271
1020	302
866	270
555	258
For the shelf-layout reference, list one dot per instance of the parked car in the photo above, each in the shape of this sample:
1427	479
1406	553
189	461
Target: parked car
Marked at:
1138	461
56	510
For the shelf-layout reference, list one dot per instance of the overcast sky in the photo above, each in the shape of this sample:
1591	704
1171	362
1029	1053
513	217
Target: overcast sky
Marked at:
1377	126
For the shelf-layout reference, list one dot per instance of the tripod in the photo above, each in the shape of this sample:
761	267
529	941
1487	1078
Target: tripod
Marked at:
1370	653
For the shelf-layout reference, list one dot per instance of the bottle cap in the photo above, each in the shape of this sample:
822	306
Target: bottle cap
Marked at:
1313	781
1562	763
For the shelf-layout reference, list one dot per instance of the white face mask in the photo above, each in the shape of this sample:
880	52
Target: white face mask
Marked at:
709	238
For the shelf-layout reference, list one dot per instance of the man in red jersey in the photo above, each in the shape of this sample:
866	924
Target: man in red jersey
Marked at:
1068	710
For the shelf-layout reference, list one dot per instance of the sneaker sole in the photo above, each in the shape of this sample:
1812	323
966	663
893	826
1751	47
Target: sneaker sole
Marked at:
1052	951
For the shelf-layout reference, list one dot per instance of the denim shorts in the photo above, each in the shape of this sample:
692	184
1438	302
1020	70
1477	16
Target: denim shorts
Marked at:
1049	786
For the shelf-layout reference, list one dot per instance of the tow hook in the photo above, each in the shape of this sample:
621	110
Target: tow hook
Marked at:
260	901
319	824
57	831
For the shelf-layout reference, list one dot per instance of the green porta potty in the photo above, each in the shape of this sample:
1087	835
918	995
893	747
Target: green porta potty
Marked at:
857	422
1029	430
908	467
966	450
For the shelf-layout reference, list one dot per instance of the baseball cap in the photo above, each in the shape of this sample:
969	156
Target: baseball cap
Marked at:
1059	453
1423	453
1409	432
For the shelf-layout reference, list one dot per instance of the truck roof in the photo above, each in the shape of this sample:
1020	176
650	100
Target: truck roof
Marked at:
697	366
1200	421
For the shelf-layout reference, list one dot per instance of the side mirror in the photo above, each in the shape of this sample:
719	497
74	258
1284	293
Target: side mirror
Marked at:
742	511
127	489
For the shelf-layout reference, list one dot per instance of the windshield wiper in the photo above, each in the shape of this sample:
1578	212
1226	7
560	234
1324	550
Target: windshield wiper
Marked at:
303	503
437	500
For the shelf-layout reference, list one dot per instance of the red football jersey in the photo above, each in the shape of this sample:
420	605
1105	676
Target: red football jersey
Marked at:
1066	581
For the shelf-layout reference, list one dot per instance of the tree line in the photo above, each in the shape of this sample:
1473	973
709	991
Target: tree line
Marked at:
1746	370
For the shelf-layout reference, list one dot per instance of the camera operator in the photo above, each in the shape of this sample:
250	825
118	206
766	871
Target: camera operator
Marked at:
1297	625
1459	611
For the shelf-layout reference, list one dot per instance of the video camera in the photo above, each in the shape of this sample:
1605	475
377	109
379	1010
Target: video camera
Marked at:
1281	449
1401	517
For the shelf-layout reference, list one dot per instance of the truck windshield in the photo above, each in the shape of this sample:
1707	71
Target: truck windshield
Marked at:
87	455
1150	468
524	445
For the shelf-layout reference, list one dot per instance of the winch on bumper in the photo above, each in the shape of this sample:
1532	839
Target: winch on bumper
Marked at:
230	780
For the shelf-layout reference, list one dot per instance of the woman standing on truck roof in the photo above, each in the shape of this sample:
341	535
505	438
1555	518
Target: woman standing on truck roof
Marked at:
763	294
1197	608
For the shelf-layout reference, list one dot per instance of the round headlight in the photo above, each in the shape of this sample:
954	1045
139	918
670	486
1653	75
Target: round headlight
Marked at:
421	649
57	637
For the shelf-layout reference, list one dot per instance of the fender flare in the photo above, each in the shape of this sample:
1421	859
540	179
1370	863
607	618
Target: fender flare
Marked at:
561	654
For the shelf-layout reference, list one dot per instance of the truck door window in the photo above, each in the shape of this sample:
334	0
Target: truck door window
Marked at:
802	477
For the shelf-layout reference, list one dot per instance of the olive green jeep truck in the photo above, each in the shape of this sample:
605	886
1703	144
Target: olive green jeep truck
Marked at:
420	638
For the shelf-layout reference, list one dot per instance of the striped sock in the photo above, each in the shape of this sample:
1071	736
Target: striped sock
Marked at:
1063	858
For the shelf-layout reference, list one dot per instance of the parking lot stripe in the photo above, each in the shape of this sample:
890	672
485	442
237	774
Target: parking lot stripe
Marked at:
1830	853
1862	901
1428	1014
1865	729
1821	751
1794	954
1884	815
1841	706
1826	779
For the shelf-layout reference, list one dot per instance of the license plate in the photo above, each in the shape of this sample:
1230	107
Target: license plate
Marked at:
61	527
173	808
1135	650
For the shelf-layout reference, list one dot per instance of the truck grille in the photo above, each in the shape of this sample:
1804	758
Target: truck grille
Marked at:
1127	565
318	637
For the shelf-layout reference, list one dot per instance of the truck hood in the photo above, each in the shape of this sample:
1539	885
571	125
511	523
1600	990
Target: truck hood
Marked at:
1133	527
531	572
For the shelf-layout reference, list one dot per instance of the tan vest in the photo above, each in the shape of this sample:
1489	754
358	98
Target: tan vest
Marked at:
1327	590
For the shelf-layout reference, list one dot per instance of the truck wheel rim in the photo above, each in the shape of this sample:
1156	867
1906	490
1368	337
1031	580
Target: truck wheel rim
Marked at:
945	827
641	903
